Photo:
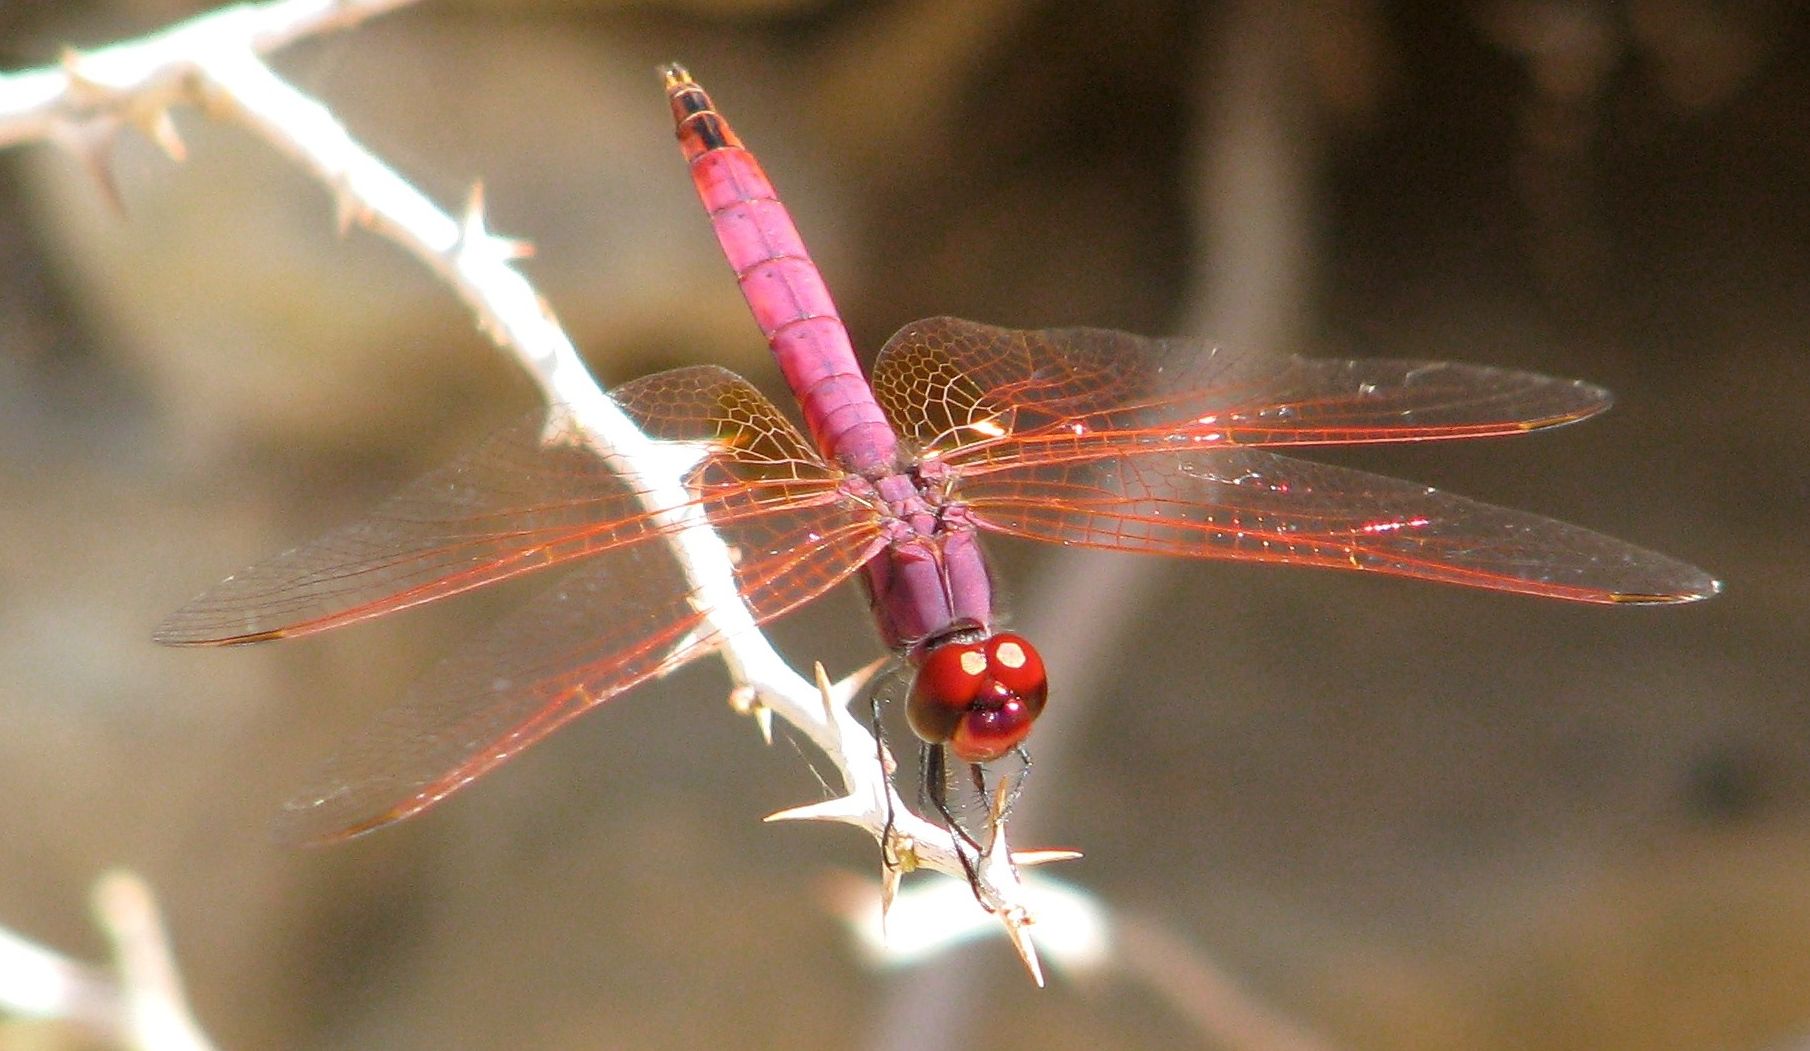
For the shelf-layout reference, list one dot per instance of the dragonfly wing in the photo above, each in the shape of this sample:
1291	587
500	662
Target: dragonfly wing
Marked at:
534	495
982	397
1255	506
627	616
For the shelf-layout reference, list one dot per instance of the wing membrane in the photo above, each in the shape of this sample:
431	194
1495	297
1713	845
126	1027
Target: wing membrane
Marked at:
1250	505
531	497
982	397
627	616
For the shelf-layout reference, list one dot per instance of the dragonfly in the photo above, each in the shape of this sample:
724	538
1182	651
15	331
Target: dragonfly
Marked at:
1073	436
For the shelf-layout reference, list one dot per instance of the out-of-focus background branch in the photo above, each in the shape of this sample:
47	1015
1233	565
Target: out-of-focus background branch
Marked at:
1410	817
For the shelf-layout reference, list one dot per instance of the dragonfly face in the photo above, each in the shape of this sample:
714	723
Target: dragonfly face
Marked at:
979	698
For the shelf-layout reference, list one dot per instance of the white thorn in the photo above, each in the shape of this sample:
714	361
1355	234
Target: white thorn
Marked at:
825	691
1032	858
745	700
471	223
1018	923
160	128
475	238
847	809
348	209
849	687
997	858
891	875
898	855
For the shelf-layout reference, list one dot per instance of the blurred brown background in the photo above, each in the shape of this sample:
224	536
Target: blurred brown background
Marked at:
1407	817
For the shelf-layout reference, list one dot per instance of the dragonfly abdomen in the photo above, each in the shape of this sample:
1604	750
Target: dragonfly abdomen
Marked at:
781	284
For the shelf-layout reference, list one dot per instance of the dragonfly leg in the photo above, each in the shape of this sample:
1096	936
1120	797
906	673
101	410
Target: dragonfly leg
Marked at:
1013	786
1024	772
936	786
889	859
936	781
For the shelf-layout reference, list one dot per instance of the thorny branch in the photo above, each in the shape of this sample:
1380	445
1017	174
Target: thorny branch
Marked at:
213	62
138	1004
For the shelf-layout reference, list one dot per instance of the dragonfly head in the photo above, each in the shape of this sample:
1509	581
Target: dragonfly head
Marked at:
979	698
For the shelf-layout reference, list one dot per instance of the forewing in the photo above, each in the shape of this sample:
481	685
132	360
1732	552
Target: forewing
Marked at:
535	495
981	397
627	616
1249	505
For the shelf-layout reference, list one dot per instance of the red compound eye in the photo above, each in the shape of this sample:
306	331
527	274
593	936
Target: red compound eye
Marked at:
945	689
1016	665
978	698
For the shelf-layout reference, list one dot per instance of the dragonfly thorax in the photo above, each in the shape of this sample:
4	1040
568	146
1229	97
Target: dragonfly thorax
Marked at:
979	697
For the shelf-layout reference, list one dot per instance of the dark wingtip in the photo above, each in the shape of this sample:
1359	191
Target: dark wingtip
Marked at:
174	634
1697	590
314	840
299	824
1589	400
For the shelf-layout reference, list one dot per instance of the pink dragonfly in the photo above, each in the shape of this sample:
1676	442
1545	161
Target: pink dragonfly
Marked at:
1073	436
